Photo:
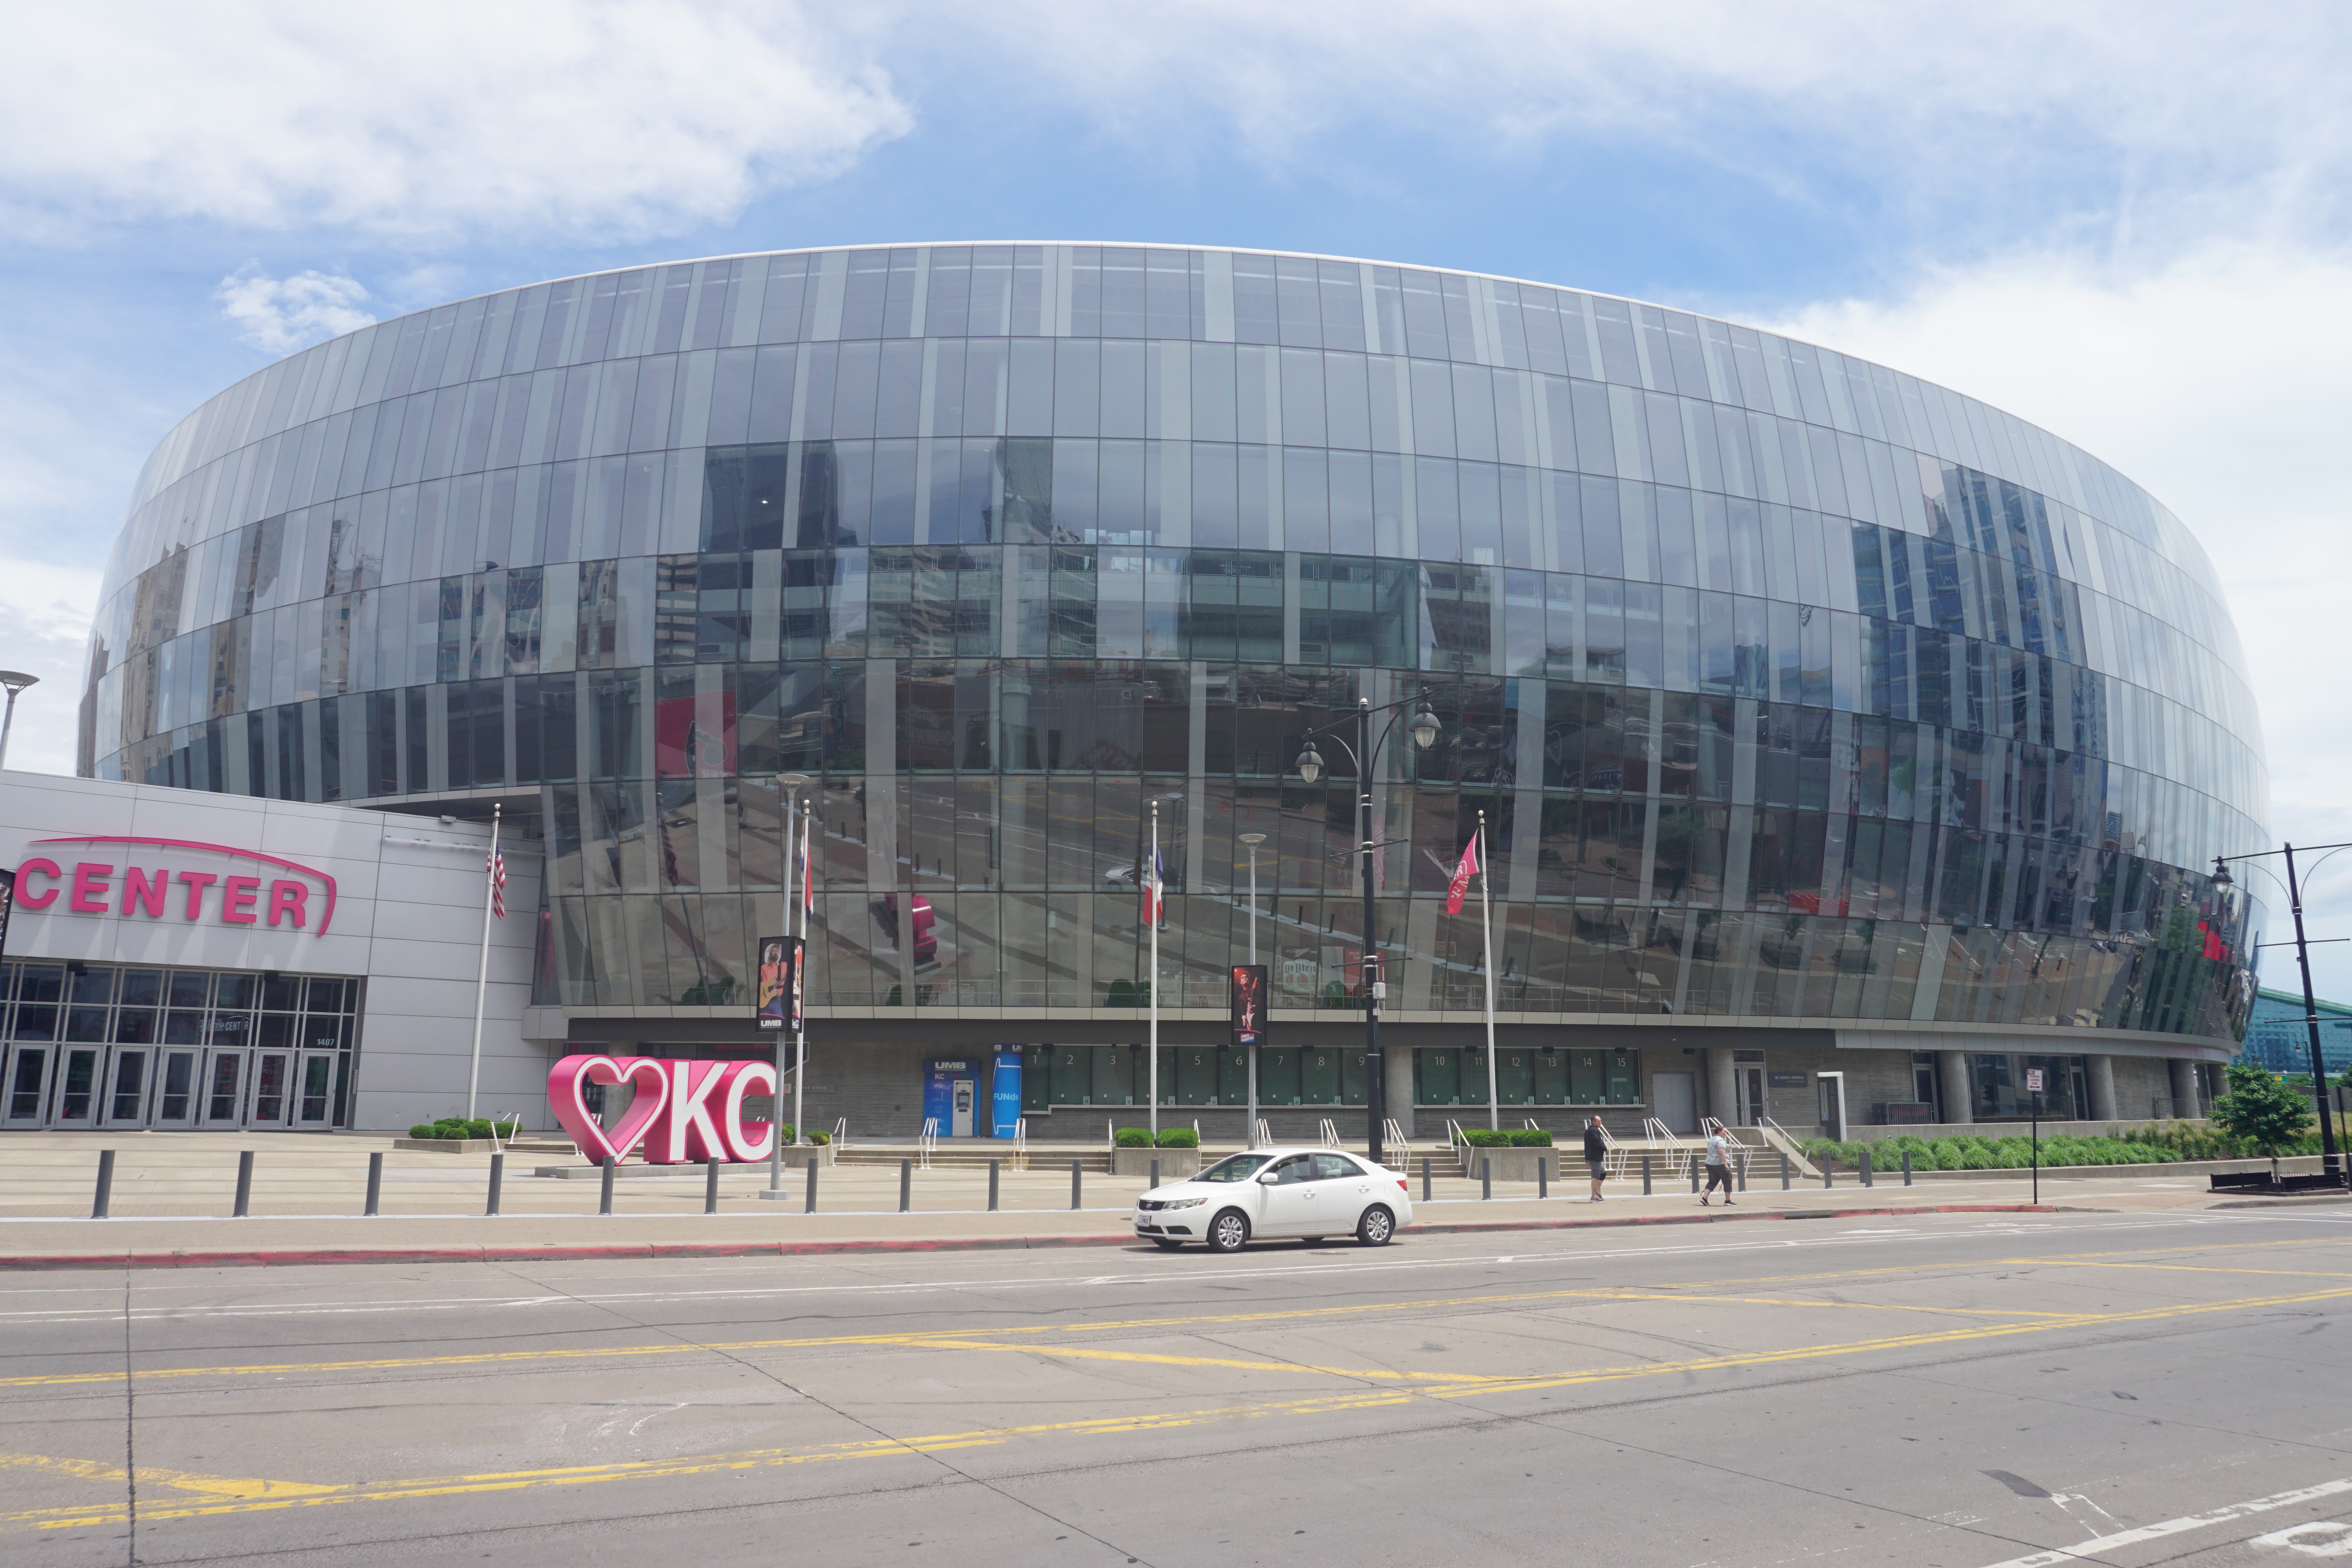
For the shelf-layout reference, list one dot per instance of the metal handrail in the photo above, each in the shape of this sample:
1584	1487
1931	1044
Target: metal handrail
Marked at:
1392	1137
1777	1137
1329	1133
840	1136
1264	1134
1020	1142
929	1140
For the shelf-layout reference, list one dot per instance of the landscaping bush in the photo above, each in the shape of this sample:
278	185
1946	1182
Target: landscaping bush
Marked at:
1179	1137
1133	1138
1486	1137
1530	1138
820	1138
422	1130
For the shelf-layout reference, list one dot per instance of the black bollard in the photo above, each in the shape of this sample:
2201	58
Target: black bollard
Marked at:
375	1182
103	1198
808	1204
711	1187
1543	1176
991	1185
604	1199
906	1185
1865	1168
1424	1178
1694	1174
497	1180
1078	1169
1155	1173
1486	1177
1785	1170
1829	1169
1645	1175
1906	1167
1743	1173
244	1183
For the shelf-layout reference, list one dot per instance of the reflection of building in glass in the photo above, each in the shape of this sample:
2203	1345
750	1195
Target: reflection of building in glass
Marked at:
2278	1039
1817	711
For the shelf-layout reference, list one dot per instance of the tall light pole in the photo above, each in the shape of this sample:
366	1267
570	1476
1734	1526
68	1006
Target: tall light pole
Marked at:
1249	1134
16	680
792	784
1424	730
2330	1162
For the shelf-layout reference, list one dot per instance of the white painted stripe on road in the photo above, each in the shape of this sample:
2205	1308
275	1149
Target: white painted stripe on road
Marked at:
2083	1550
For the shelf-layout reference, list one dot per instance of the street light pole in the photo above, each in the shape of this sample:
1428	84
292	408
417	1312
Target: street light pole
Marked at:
1249	1134
792	784
2330	1161
16	680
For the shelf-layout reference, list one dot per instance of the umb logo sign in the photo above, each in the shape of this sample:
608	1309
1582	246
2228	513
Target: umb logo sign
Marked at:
167	892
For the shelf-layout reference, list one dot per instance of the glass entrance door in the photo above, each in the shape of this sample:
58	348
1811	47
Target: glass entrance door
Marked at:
273	1097
80	1088
1751	1095
314	1100
25	1090
176	1089
126	1086
223	1088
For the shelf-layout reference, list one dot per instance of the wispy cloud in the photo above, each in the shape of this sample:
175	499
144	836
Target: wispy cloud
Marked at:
279	315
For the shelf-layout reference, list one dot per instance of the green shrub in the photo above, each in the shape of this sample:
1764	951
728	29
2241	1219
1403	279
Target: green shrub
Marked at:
1179	1137
479	1128
820	1138
1133	1138
1486	1137
1530	1138
422	1130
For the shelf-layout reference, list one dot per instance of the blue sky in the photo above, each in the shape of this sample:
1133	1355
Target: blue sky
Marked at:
2126	222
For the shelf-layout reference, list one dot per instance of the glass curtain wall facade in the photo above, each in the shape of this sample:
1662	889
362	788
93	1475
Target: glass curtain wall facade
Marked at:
1788	684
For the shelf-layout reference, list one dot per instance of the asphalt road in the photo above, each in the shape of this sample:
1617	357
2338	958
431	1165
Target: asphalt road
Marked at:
1954	1391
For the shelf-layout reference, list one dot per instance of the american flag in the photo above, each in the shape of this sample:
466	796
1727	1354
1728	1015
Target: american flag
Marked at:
498	883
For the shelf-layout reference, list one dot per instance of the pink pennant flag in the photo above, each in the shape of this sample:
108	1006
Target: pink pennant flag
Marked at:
1459	887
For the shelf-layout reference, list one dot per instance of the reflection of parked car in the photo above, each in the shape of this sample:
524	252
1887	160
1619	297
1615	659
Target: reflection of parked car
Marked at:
924	941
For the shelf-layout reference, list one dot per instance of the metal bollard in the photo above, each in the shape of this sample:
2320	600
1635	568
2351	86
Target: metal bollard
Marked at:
1693	1176
906	1185
1785	1171
808	1204
1486	1178
711	1187
497	1180
1829	1169
1743	1173
1078	1169
103	1199
604	1199
1543	1176
1645	1175
375	1182
1906	1167
244	1183
1865	1169
991	1185
1424	1178
1155	1173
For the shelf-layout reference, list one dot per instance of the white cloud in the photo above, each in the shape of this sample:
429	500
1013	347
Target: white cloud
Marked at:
2216	381
429	117
278	315
46	610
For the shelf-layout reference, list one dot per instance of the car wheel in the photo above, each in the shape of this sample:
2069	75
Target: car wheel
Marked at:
1229	1232
1166	1245
1377	1225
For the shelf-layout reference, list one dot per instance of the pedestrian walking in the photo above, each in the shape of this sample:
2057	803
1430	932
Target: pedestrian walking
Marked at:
1596	1153
1718	1167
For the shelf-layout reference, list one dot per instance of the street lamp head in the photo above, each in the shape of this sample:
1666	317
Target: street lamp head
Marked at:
1424	727
16	680
1255	839
1310	763
792	780
2221	877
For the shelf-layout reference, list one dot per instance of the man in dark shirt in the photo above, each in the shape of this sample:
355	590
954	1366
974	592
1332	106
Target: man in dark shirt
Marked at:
1596	1153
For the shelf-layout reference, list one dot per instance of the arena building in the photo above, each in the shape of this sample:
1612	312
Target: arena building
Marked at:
1848	748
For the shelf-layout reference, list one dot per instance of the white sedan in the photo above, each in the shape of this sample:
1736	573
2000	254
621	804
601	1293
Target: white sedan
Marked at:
1311	1193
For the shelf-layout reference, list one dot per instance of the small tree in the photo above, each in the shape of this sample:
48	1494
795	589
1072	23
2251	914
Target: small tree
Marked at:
2261	1110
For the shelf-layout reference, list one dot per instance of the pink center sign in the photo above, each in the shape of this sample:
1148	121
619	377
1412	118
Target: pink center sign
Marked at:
684	1113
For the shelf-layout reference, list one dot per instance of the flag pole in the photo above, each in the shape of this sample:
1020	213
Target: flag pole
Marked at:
1159	895
776	1116
800	1030
482	981
1486	941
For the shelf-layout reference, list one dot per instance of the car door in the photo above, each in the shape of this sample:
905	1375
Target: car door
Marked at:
1288	1191
1342	1189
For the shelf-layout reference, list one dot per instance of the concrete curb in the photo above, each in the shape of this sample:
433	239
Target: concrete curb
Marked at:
283	1256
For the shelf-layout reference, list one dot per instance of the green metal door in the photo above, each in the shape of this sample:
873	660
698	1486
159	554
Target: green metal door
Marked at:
1624	1078
1587	1083
1196	1076
1352	1078
1551	1077
1474	1077
1277	1076
1440	1077
1515	1076
1233	1077
1167	1070
1036	1080
1319	1077
1115	1069
1073	1075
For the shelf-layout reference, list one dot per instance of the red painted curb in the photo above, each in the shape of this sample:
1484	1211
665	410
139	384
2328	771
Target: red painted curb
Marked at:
282	1256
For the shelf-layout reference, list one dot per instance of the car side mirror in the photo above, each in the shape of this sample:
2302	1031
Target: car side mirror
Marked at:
1265	1180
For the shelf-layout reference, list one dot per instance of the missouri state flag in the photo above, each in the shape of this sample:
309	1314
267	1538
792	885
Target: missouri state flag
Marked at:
1458	888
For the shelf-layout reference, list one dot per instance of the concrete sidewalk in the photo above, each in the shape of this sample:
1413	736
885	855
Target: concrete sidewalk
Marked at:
171	1197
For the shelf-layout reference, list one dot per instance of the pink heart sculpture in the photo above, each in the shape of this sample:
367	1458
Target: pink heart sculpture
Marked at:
567	1082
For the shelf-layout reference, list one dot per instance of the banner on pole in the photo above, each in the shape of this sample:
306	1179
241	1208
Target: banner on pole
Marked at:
7	898
1249	1004
780	983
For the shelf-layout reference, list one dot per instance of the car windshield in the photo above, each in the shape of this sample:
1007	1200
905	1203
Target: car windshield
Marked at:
1233	1168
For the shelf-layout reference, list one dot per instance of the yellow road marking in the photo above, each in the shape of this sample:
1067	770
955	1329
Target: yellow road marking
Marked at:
281	1495
215	1486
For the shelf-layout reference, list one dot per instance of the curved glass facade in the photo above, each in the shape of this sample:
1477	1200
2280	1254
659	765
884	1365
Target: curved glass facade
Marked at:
1790	686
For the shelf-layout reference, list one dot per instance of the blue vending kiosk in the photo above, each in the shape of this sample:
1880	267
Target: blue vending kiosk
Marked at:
950	1093
1004	1097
